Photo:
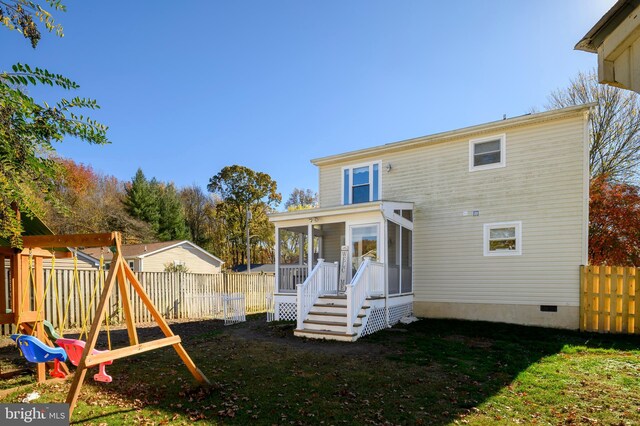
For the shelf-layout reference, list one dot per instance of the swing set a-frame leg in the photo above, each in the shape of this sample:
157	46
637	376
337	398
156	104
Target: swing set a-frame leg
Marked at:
78	378
118	269
182	353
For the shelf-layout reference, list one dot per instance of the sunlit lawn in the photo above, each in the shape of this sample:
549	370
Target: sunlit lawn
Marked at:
429	372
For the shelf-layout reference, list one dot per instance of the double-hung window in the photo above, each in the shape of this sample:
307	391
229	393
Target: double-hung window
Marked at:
503	239
361	183
487	153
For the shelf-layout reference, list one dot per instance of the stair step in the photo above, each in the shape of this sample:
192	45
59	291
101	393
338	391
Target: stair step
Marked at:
333	305
327	335
331	323
333	314
339	296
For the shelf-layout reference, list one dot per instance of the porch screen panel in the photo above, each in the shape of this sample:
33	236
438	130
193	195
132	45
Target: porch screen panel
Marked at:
393	257
407	260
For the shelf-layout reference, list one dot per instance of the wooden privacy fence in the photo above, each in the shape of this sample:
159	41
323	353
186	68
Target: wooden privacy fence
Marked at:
175	295
609	299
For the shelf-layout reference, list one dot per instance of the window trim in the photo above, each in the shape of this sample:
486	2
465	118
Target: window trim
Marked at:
486	231
356	166
503	152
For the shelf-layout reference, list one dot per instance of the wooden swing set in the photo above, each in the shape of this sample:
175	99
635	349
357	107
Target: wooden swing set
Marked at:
26	310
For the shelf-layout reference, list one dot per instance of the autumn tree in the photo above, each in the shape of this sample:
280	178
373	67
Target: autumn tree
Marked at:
614	223
301	199
240	188
93	203
28	128
195	204
614	125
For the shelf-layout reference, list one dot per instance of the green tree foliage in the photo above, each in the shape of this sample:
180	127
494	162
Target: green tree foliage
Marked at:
28	129
171	220
301	199
24	15
615	125
239	188
27	132
159	205
141	199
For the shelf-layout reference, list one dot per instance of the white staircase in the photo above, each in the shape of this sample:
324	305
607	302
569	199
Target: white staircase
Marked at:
327	319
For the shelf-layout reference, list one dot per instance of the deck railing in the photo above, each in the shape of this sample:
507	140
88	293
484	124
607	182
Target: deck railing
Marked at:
368	281
290	276
322	280
376	279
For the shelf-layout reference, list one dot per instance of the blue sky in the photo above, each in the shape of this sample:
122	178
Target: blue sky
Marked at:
189	87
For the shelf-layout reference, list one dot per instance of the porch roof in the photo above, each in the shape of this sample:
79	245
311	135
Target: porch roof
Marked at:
373	206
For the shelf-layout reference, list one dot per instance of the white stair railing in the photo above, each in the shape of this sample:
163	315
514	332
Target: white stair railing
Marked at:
357	292
376	279
323	279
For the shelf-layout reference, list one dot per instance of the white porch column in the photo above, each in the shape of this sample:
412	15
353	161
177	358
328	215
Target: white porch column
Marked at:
310	246
275	290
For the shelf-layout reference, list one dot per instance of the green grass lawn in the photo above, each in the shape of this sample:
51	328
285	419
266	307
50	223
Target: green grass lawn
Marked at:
429	372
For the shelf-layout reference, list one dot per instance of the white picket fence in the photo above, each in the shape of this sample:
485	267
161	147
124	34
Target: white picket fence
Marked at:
175	295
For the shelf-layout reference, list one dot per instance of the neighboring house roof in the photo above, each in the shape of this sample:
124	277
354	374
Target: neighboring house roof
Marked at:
500	125
259	267
140	251
606	25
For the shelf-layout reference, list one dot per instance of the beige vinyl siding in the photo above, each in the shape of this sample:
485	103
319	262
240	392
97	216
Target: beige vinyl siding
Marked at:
67	263
542	185
196	261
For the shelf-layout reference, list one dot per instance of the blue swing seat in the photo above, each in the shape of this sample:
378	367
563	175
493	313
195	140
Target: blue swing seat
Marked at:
36	351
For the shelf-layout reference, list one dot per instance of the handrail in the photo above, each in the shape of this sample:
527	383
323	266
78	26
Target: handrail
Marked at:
323	279
357	292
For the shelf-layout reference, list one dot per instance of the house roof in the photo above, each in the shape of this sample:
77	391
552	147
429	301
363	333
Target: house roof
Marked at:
259	267
605	26
496	126
141	251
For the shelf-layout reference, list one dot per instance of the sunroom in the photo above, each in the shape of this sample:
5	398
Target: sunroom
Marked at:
346	271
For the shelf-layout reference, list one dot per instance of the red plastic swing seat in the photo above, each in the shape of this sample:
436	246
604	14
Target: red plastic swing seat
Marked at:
74	349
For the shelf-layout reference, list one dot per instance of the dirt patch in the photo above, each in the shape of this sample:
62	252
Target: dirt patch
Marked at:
471	342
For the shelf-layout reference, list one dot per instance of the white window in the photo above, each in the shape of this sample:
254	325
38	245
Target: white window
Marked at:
487	153
179	263
361	183
503	239
131	264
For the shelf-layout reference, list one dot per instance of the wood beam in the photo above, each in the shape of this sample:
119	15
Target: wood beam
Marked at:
71	240
38	276
7	318
95	359
182	353
78	378
3	286
36	252
6	251
126	307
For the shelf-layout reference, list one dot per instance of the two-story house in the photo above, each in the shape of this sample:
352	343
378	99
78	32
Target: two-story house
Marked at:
488	222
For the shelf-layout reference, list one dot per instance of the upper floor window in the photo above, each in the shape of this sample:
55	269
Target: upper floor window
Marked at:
361	183
487	153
